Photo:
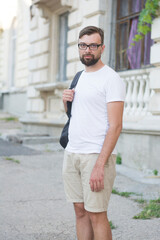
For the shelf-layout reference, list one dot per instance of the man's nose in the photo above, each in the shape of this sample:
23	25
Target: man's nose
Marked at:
88	49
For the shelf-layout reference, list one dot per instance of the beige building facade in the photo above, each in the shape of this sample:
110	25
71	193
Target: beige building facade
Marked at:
39	58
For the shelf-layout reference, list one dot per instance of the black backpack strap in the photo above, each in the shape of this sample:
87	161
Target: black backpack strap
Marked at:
73	84
75	80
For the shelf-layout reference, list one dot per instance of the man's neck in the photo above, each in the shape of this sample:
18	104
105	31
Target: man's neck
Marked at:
94	67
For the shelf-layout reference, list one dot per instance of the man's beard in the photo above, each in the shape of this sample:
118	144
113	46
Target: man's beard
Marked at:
89	62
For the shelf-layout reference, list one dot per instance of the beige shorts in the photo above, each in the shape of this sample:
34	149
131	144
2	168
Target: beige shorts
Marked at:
77	170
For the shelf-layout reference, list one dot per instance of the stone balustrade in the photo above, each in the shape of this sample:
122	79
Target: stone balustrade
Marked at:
138	93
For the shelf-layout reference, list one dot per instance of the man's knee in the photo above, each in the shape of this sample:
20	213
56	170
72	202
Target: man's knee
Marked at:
97	217
79	210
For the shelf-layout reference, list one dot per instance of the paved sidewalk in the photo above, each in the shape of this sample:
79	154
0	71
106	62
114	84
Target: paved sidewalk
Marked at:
33	205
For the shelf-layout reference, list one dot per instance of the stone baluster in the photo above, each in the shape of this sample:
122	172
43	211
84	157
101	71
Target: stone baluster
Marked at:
146	94
134	94
140	96
126	87
154	103
128	95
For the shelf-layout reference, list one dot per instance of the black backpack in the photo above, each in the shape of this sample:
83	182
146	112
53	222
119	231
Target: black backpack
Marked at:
64	135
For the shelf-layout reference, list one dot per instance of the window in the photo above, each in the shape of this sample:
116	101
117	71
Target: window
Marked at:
63	26
126	27
12	55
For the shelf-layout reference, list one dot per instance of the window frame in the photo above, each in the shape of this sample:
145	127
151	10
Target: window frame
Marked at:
12	55
120	20
63	45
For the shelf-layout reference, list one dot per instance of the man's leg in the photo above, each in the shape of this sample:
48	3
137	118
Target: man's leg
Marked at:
83	223
101	227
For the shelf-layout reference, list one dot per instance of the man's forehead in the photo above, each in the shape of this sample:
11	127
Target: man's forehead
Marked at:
92	37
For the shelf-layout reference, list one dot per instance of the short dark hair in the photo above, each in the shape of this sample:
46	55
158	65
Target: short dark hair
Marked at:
91	30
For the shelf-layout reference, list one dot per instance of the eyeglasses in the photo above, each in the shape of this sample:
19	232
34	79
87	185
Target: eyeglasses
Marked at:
83	46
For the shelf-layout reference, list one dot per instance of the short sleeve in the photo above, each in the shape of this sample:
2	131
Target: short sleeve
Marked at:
115	88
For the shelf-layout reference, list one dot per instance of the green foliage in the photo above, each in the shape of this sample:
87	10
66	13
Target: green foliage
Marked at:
151	10
152	209
141	201
114	191
155	172
122	194
112	225
12	159
7	119
118	159
126	194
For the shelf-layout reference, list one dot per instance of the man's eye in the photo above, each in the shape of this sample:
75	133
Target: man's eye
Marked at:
83	45
93	45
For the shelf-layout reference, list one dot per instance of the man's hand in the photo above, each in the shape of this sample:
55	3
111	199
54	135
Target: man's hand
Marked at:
68	95
97	179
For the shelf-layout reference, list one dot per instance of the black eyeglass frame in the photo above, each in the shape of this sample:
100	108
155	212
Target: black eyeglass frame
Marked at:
89	46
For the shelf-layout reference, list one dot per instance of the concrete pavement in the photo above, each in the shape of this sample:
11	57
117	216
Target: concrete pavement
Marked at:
32	200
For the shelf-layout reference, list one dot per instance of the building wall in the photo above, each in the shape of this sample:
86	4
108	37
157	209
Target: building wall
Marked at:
7	14
4	42
140	150
14	46
44	54
37	91
14	103
139	141
1	58
23	34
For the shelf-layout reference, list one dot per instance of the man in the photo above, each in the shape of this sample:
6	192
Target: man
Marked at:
95	125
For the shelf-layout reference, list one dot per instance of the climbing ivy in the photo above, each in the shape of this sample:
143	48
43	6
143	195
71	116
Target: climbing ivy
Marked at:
151	11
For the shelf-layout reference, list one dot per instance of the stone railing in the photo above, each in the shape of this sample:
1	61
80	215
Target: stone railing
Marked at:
138	93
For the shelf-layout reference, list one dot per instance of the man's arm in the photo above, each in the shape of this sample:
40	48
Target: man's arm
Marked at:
115	115
68	95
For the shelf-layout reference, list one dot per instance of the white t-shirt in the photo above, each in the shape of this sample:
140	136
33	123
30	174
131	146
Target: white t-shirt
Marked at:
89	121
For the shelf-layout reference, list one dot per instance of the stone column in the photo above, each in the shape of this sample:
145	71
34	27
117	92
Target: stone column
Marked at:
154	104
38	61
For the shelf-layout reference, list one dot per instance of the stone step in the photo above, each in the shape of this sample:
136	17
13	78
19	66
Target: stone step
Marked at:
30	138
39	140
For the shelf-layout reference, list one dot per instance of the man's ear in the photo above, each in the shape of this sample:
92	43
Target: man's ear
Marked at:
103	47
